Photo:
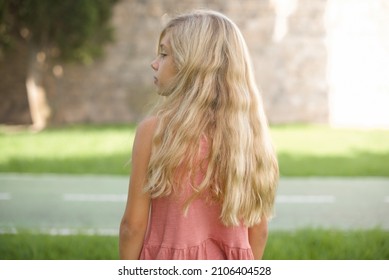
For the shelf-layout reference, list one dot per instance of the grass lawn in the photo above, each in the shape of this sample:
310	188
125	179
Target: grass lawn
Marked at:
70	150
308	244
325	151
302	150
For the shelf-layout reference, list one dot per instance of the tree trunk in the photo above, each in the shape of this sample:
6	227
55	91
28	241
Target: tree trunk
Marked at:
39	107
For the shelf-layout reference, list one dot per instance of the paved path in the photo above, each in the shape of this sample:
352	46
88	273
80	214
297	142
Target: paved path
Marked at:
61	204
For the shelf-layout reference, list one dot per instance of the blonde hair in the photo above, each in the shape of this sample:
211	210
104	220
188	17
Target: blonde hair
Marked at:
214	94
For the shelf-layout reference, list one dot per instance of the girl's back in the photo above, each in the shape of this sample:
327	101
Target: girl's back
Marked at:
197	235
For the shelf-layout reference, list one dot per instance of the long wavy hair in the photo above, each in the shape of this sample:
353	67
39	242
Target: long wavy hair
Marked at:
213	95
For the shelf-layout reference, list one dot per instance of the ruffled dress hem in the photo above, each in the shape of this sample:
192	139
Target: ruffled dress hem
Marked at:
209	249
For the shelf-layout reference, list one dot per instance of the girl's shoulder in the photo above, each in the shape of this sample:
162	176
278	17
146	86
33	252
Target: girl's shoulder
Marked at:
147	126
145	132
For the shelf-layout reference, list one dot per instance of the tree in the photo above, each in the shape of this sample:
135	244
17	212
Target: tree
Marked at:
71	30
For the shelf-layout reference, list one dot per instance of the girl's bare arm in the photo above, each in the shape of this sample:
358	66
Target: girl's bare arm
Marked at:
258	238
134	222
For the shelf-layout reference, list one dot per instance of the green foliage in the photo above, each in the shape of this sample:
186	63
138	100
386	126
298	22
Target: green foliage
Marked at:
5	36
71	29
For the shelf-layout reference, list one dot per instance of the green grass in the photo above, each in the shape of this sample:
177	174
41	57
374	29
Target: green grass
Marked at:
27	246
302	150
316	244
308	244
324	151
71	150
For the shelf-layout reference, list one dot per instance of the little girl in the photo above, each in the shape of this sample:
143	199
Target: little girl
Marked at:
204	171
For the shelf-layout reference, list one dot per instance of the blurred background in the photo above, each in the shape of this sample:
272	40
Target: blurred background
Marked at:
316	61
75	78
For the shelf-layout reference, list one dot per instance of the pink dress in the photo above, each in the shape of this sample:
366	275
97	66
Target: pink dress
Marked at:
197	236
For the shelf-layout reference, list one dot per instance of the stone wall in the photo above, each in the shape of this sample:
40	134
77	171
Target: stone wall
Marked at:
288	41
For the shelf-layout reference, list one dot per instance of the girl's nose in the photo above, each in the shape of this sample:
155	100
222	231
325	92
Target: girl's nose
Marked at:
154	65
